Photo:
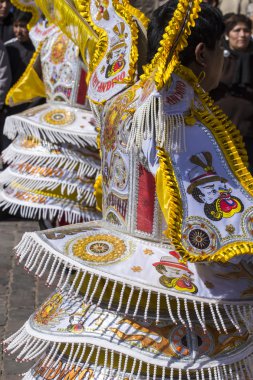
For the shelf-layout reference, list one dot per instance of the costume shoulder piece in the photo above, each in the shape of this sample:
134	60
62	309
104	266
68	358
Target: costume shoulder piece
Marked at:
41	31
107	34
113	66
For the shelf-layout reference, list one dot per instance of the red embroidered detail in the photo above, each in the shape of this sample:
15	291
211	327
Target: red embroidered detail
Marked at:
177	95
82	90
146	201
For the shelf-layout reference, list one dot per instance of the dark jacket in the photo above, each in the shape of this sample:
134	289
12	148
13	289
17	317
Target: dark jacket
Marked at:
6	28
235	91
5	74
20	54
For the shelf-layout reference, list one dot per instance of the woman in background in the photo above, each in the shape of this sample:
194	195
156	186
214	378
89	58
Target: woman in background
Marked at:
235	91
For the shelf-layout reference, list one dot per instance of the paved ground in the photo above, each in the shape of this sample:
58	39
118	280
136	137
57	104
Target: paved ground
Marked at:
20	293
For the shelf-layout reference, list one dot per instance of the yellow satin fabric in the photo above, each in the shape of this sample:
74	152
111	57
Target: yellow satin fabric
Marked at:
29	88
98	192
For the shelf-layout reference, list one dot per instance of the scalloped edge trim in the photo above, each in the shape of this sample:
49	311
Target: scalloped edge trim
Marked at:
139	15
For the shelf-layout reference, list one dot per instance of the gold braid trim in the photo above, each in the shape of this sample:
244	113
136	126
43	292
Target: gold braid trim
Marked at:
170	201
140	16
123	11
174	40
83	7
10	94
33	9
98	192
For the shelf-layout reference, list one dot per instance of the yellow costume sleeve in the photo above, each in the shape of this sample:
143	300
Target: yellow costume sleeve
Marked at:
29	86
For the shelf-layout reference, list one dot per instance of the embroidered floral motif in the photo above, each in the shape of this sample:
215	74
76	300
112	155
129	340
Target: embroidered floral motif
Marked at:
102	13
230	229
148	251
137	269
59	49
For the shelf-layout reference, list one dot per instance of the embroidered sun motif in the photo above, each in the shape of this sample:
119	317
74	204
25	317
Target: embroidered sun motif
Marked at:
99	249
59	117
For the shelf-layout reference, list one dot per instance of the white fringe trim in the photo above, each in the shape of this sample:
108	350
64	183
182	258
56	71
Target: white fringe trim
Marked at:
32	251
30	347
71	215
84	192
66	162
16	125
149	122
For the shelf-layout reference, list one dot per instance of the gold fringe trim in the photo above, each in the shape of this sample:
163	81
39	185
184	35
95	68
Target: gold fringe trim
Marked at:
10	95
66	16
33	9
174	40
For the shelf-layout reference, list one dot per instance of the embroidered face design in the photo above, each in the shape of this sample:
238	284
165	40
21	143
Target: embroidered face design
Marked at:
209	188
115	60
175	274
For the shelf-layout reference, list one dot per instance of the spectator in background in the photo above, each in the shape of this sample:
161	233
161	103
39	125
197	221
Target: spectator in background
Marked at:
6	29
234	6
20	49
214	3
5	74
235	91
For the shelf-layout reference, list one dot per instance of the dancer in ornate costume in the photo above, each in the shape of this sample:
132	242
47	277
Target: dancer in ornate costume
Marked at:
53	160
143	303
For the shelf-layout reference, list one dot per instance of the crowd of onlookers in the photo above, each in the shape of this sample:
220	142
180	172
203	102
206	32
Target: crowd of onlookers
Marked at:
234	93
